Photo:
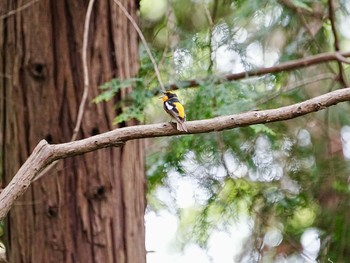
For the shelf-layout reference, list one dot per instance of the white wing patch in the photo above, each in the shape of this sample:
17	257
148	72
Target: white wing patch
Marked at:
168	106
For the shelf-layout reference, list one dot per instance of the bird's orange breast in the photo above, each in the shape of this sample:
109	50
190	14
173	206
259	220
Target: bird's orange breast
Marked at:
165	98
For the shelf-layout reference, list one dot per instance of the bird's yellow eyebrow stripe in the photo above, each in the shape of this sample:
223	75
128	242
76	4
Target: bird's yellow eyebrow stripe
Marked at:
180	109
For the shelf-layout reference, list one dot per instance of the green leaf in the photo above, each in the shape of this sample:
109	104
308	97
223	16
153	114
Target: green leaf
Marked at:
104	96
111	88
128	114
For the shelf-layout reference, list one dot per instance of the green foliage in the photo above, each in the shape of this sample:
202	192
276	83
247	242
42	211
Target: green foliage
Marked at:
111	88
261	128
289	172
131	107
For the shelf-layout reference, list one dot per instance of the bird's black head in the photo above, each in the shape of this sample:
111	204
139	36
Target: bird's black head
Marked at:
169	94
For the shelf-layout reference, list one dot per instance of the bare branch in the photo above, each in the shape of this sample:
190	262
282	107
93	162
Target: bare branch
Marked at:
85	70
44	154
144	42
296	85
331	13
13	12
210	36
286	66
312	31
207	13
342	58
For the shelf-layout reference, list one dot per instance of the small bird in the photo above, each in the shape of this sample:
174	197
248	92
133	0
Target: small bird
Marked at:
175	109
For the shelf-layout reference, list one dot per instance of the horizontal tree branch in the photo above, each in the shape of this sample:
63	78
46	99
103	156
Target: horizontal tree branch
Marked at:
286	66
44	153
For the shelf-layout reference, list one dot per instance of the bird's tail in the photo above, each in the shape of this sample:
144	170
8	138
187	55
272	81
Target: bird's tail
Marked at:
181	126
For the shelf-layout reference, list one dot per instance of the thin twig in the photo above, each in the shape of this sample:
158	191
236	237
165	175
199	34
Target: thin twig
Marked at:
133	22
341	58
207	13
85	70
160	63
13	12
210	35
221	148
314	40
260	250
265	223
331	14
309	30
296	85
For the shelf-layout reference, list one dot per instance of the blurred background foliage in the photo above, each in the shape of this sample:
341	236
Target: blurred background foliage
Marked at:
289	181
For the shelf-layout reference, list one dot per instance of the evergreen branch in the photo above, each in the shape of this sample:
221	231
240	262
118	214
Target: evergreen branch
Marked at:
44	154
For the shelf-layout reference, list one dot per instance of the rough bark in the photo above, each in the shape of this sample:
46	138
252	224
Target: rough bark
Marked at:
91	207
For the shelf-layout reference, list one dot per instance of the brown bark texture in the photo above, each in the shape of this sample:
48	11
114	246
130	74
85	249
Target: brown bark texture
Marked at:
88	208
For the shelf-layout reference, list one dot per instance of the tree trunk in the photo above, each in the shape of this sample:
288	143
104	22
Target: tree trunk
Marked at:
89	208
